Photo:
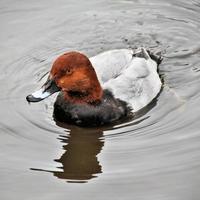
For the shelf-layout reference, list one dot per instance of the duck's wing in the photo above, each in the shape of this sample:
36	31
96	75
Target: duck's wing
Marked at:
138	83
110	64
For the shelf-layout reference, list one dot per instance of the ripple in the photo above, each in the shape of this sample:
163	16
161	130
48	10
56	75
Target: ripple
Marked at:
160	143
150	34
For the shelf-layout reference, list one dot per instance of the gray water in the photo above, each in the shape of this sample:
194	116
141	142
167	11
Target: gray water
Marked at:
153	157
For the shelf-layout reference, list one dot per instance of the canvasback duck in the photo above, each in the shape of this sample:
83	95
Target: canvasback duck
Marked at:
102	89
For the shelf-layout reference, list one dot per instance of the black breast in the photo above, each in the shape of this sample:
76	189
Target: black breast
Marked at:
106	111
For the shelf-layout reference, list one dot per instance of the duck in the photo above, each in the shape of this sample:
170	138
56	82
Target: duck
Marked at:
101	89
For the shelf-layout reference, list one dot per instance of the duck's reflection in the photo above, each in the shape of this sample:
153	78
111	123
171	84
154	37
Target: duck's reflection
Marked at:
79	161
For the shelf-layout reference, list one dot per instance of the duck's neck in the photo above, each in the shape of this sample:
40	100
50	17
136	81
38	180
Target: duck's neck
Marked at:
91	94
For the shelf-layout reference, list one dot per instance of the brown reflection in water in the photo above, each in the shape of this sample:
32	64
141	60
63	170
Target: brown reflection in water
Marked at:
79	160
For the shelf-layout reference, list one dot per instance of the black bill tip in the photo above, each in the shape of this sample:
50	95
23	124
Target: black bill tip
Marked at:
30	98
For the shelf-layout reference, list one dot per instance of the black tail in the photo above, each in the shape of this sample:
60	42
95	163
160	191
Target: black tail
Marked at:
156	57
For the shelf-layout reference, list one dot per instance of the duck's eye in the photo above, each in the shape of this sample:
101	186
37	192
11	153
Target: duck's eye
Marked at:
68	71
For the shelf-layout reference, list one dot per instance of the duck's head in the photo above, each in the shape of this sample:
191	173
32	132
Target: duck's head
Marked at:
73	74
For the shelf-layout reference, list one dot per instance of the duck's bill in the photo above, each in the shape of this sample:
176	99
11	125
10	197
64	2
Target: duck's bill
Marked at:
47	89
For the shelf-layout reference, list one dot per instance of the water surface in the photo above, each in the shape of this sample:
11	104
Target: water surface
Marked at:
155	156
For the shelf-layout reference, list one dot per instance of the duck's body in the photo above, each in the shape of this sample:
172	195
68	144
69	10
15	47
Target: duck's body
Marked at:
125	81
130	76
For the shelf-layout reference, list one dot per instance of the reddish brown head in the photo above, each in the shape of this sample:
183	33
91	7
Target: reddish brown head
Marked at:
74	74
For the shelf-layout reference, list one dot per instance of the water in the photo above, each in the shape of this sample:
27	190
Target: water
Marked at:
155	156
